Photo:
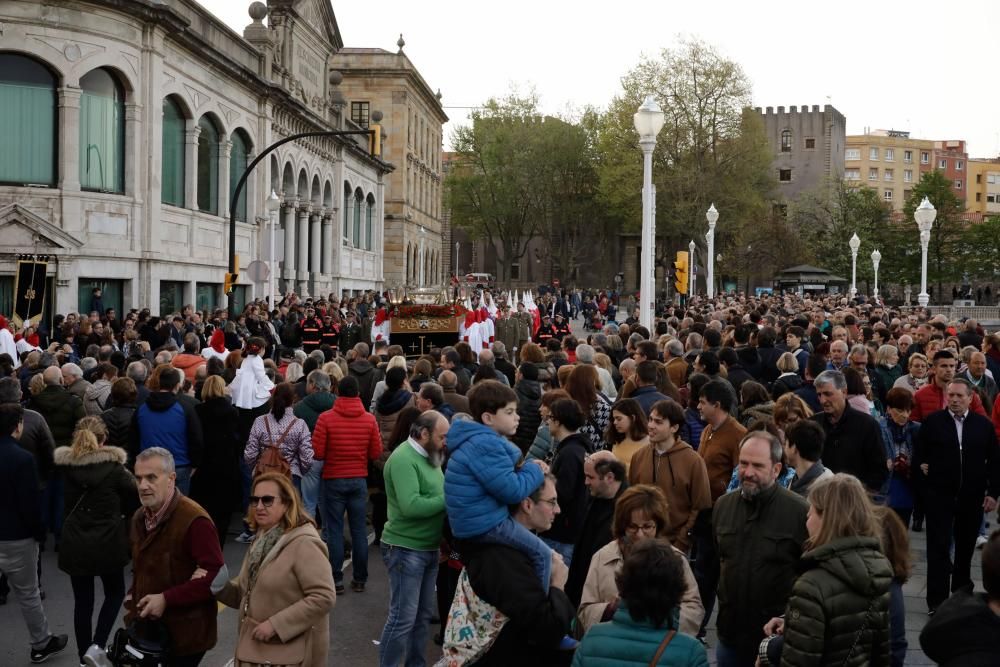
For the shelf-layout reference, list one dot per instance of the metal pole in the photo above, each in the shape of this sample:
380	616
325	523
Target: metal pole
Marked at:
691	269
647	303
231	297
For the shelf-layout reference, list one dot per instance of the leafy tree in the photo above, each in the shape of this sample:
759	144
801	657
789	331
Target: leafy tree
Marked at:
946	233
981	248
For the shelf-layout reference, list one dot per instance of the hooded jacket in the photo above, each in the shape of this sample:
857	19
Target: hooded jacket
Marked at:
680	472
61	409
164	421
387	411
838	613
100	497
964	632
529	403
567	466
346	438
189	364
312	406
118	419
483	479
367	376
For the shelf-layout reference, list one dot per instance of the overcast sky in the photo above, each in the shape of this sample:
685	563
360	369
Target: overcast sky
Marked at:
923	66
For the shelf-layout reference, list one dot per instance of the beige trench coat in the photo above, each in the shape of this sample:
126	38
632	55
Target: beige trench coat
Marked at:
294	590
600	589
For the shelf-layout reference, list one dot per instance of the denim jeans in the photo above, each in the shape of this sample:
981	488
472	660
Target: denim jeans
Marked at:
184	479
349	494
412	575
18	560
513	534
730	656
564	549
311	488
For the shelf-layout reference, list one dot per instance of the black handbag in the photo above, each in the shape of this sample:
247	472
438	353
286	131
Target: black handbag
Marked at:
143	643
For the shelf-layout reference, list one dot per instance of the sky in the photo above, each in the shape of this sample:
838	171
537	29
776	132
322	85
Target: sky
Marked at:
922	66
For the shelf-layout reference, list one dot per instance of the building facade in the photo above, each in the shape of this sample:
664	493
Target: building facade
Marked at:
808	146
377	80
983	186
127	126
888	161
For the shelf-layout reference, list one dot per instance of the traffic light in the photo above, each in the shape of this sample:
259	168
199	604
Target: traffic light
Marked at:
375	140
681	272
231	280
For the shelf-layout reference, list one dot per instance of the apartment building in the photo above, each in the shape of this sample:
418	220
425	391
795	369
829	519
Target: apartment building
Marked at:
888	161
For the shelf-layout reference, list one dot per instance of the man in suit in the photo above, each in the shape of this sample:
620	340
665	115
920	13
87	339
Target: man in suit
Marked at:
957	463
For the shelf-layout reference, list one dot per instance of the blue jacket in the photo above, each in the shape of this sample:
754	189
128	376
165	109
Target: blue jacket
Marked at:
646	397
20	498
164	421
624	642
482	479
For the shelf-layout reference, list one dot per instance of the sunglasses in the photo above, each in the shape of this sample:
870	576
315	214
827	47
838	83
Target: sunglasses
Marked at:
267	500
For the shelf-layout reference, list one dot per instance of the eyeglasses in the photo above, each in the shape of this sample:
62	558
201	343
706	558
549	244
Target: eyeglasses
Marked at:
648	527
267	500
553	502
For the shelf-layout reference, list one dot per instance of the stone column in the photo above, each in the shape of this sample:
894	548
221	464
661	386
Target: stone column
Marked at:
327	264
68	167
302	273
133	152
191	165
315	252
288	261
225	147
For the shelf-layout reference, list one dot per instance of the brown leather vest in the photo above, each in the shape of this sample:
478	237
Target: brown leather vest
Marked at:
160	562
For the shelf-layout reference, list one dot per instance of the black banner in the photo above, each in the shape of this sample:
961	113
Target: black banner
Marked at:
29	291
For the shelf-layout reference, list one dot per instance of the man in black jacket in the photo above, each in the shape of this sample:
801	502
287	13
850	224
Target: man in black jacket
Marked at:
539	616
853	439
566	418
604	476
957	466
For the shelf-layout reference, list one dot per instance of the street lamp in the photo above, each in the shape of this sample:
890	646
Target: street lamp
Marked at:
272	205
924	215
691	265
855	244
713	217
648	121
876	258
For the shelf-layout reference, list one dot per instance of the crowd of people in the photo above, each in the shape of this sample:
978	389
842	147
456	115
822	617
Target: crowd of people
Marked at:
542	498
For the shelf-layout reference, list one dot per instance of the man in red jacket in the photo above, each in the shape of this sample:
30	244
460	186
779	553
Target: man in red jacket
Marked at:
346	438
933	395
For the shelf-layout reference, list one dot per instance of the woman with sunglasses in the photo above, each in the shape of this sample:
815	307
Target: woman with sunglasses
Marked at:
640	514
284	592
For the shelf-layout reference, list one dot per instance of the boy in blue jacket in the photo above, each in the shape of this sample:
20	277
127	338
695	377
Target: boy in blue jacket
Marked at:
483	478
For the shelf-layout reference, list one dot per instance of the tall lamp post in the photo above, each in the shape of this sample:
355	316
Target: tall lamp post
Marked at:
648	121
691	266
272	204
876	258
855	244
924	215
713	217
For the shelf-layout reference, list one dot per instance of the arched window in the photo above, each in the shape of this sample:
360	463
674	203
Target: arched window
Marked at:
347	210
237	165
786	141
102	132
28	109
208	166
369	220
172	163
359	197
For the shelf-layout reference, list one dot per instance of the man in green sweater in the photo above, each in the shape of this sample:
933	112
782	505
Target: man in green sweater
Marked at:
414	485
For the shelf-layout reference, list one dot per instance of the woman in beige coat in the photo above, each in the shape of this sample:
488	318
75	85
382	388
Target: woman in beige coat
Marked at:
640	513
284	592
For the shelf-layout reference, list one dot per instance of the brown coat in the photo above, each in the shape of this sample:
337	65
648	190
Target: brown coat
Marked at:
294	590
680	473
455	400
721	452
601	589
677	369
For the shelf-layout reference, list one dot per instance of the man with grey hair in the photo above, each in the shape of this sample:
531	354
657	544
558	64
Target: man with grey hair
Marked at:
366	374
172	528
72	380
502	364
449	385
318	400
673	358
585	355
838	356
414	485
853	439
138	373
486	359
756	572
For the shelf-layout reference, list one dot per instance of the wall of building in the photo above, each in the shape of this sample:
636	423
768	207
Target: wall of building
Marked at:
890	164
808	146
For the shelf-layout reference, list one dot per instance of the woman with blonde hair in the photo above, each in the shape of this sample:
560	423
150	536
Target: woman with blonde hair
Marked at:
100	498
395	362
838	612
332	368
916	376
284	591
640	513
790	408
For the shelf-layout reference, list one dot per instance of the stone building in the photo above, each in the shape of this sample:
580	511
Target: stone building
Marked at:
377	80
808	146
126	127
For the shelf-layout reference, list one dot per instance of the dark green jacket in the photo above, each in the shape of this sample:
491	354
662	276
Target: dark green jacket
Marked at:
759	543
312	406
61	409
826	613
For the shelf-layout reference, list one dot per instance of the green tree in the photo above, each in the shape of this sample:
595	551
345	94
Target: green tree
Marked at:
712	149
946	233
981	248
